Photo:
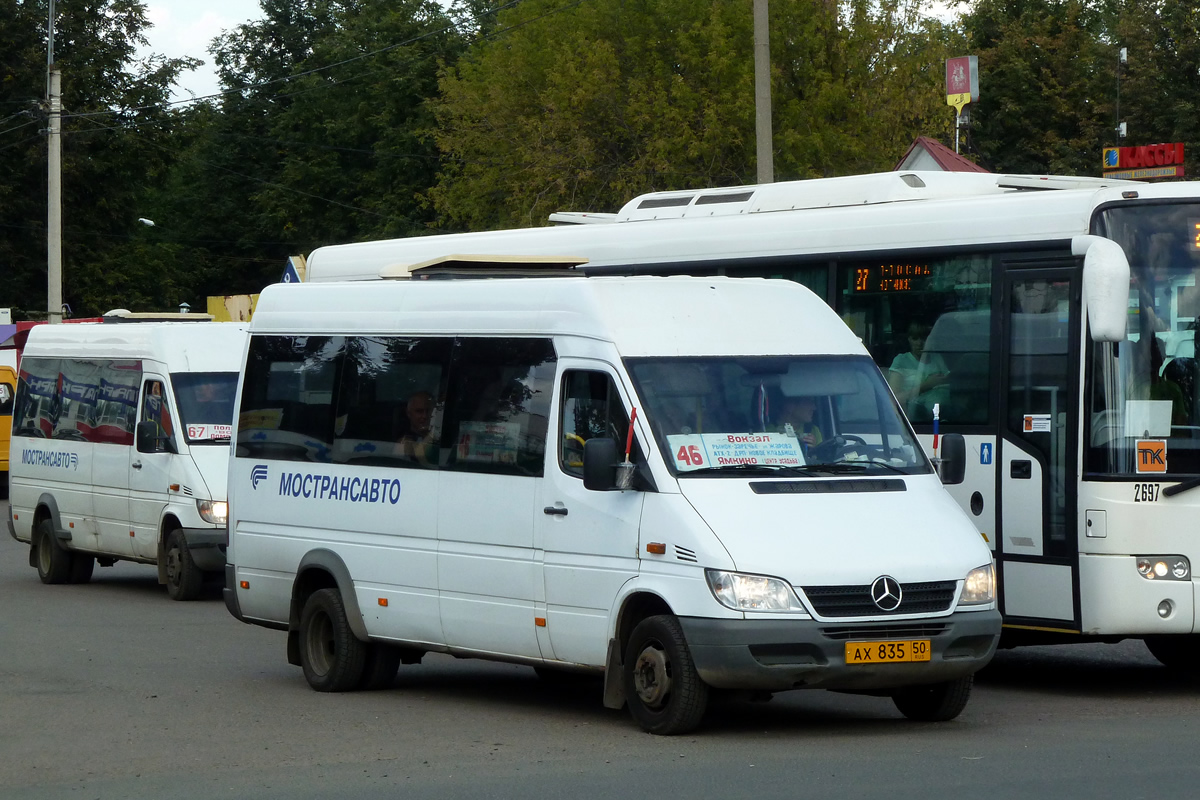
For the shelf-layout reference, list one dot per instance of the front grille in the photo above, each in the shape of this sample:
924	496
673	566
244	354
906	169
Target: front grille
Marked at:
855	601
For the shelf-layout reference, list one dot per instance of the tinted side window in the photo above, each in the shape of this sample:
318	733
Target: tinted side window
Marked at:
927	324
116	402
389	401
498	405
37	388
156	409
287	409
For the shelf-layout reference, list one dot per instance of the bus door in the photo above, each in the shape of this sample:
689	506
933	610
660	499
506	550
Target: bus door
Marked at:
1038	550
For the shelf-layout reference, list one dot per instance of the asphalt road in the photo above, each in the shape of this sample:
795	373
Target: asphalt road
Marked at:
110	690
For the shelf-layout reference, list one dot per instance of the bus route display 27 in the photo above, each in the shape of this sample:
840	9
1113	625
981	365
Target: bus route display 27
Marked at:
890	277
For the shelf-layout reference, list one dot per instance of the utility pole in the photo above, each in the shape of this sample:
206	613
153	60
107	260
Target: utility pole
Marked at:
762	94
54	303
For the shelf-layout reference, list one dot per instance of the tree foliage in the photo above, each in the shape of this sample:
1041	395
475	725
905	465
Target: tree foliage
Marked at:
583	105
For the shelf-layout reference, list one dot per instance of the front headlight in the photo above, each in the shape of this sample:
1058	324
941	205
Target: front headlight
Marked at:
751	592
213	511
979	587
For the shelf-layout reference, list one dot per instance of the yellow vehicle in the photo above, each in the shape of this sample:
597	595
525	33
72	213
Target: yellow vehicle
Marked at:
8	391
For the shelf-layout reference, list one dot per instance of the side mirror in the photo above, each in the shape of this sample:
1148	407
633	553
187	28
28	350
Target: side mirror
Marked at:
146	436
1105	286
600	464
952	466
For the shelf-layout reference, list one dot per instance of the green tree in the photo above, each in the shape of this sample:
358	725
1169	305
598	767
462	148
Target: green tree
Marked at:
1047	85
115	134
570	105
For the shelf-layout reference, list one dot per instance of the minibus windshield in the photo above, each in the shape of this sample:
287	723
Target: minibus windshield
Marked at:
205	401
731	416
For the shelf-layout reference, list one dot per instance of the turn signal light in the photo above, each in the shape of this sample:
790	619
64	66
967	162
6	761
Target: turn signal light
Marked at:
658	548
244	584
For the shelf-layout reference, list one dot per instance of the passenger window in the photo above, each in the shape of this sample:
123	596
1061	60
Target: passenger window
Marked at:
116	402
389	401
37	389
591	408
287	409
927	324
156	409
499	405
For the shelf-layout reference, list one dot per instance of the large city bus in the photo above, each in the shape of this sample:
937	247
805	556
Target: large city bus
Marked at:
975	296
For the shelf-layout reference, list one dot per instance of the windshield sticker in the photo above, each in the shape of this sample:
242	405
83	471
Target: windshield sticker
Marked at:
1146	418
202	432
1037	423
697	451
1152	455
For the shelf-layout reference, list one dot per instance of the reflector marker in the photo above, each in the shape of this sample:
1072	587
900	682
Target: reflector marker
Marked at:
658	548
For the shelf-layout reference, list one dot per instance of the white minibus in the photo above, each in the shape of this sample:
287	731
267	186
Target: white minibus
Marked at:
120	446
686	484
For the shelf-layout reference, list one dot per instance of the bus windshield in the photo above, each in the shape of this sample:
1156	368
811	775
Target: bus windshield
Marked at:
205	402
805	416
1144	411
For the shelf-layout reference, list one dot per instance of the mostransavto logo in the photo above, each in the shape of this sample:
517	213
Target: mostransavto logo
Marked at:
49	458
258	474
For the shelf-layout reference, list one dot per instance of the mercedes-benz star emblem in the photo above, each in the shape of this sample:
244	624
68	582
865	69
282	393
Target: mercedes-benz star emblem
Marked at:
885	591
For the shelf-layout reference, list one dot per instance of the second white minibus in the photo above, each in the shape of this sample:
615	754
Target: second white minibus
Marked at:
685	484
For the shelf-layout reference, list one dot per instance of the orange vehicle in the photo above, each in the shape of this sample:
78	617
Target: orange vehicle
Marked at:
8	392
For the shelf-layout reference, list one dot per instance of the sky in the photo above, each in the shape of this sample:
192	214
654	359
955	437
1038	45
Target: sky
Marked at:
186	27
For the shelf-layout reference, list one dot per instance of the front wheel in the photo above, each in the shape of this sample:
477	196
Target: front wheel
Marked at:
1181	651
937	702
332	656
184	578
53	560
665	693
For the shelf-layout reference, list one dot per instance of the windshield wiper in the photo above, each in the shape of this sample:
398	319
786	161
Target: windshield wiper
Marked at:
1180	488
769	469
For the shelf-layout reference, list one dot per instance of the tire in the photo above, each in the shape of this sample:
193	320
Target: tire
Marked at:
184	578
53	560
1178	652
332	657
82	565
937	702
379	667
665	693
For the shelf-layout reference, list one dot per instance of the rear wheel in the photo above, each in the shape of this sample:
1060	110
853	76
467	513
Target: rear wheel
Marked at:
937	702
332	657
664	691
53	560
1181	651
184	578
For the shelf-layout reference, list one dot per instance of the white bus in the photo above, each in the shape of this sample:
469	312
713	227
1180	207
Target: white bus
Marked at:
968	291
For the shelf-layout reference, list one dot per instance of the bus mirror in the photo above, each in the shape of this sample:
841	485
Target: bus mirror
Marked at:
953	464
600	464
1105	286
146	435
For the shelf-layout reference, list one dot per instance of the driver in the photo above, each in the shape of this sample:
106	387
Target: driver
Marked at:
798	413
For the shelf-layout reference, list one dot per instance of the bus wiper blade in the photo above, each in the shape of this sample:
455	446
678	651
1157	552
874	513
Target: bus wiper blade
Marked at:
1180	488
767	469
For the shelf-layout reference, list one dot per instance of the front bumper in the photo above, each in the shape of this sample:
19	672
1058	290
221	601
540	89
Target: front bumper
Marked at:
207	547
796	654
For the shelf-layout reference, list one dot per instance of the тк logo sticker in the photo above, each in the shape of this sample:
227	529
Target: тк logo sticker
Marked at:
258	474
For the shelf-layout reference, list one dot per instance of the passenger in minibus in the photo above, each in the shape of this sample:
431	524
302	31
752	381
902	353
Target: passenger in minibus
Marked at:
417	442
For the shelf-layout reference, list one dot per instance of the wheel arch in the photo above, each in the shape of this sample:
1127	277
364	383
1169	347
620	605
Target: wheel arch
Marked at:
169	523
633	608
325	569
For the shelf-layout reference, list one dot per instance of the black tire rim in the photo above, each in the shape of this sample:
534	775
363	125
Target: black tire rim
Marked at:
174	566
652	676
321	645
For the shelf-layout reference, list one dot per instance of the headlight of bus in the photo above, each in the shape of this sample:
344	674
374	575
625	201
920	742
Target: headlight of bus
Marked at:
751	592
213	511
979	587
1164	568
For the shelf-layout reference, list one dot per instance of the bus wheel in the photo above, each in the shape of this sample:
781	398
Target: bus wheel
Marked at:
332	657
53	560
937	702
1180	651
379	667
665	693
82	565
184	579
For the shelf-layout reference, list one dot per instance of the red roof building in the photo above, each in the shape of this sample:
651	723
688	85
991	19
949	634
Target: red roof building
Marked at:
930	154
